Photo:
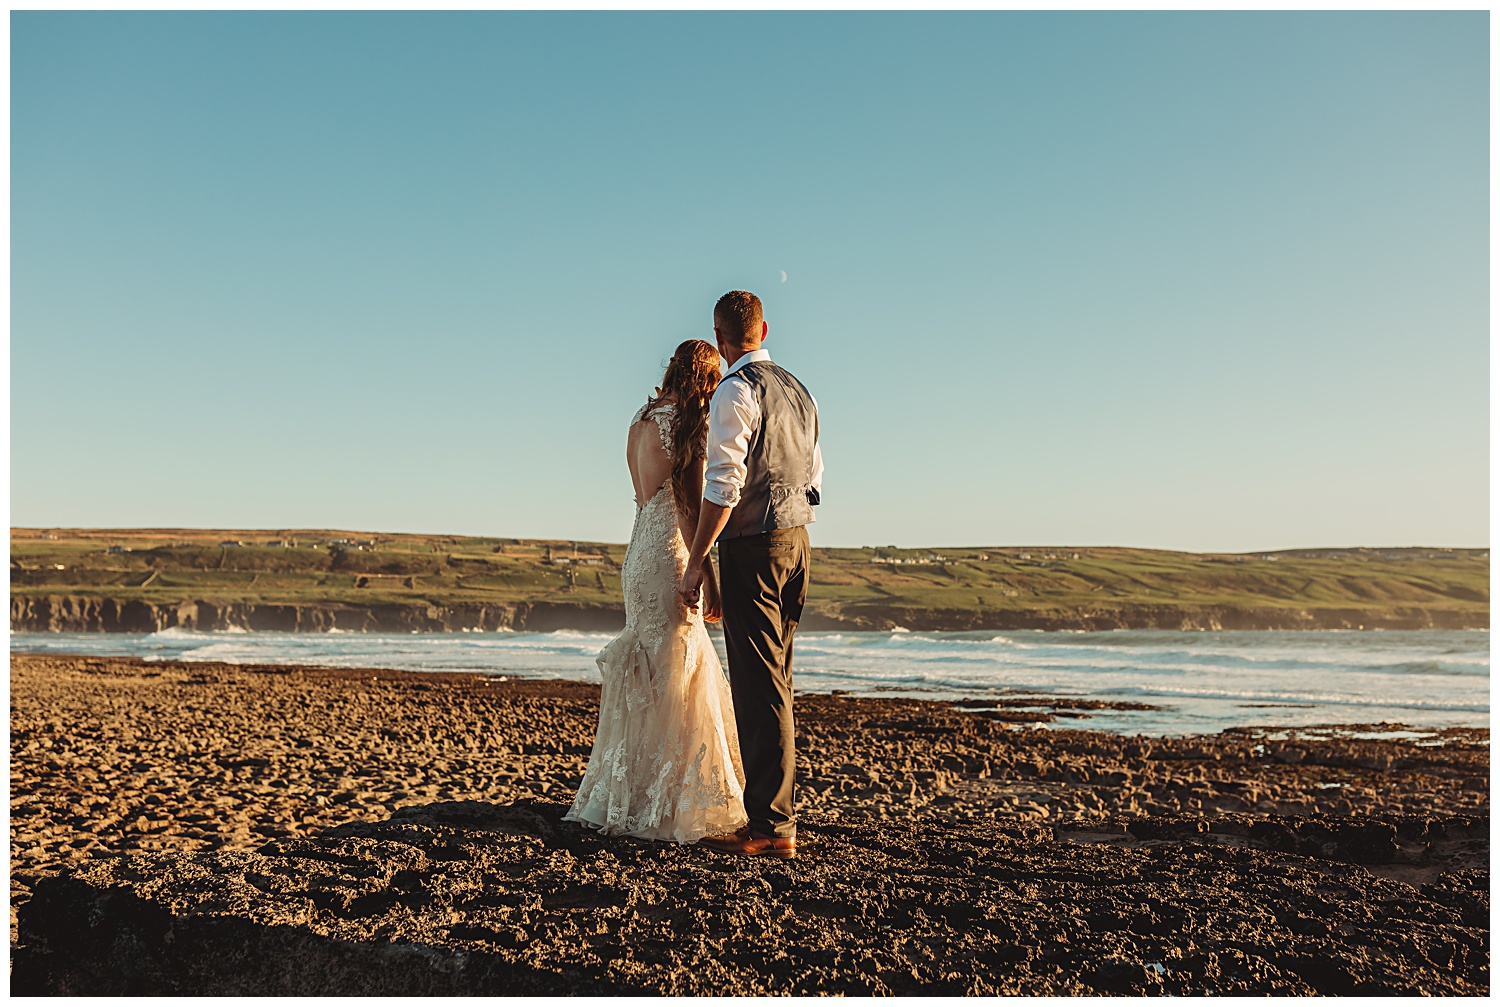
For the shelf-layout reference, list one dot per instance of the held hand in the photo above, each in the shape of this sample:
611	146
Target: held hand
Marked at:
692	579
713	604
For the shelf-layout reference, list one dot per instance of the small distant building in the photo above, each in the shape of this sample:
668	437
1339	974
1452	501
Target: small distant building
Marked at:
115	550
230	543
929	560
556	558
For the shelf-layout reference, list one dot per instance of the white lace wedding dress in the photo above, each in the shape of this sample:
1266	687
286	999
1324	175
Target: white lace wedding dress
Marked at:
666	758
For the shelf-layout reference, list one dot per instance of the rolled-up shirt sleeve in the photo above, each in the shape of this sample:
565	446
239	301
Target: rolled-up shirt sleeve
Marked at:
732	416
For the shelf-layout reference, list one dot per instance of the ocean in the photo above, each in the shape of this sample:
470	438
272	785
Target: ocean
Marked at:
1201	682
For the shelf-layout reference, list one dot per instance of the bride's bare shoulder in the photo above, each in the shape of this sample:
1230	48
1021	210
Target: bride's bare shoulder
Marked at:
652	408
652	415
658	415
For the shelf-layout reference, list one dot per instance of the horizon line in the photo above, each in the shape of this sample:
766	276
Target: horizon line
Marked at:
288	529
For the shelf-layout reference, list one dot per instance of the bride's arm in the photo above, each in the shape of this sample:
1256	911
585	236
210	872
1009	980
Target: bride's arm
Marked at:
688	524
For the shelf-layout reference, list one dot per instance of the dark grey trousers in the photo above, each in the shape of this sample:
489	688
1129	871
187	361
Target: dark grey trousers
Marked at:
763	579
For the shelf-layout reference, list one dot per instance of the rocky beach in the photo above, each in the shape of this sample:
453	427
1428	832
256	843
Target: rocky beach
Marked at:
212	828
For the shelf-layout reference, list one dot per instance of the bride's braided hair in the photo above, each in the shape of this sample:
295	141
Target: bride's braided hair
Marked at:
692	375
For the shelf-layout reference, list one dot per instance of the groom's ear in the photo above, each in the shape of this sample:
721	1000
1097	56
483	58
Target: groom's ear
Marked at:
765	328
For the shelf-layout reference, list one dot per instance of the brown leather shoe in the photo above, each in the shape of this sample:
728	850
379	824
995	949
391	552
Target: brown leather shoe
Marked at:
739	833
745	843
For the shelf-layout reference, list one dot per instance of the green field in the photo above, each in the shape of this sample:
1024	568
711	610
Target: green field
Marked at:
956	587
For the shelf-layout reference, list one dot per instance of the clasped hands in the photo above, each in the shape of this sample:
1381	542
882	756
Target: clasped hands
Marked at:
698	581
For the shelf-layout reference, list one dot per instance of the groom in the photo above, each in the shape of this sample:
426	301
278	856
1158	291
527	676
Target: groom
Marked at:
763	475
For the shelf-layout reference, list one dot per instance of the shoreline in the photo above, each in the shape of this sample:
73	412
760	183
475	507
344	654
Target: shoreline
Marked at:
87	614
945	757
136	777
1152	683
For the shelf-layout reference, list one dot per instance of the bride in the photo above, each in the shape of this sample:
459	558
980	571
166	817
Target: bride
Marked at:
666	758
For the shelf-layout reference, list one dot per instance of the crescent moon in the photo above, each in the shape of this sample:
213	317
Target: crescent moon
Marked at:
783	276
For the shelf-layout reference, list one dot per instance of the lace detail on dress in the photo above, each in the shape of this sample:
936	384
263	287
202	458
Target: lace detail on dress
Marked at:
666	758
663	415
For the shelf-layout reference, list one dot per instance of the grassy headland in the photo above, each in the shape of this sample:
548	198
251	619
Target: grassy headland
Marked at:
320	578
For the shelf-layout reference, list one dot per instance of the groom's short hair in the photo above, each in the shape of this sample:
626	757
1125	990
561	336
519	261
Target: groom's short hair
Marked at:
738	317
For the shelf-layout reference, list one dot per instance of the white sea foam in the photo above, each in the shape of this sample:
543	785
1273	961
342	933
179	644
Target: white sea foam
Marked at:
172	633
1201	681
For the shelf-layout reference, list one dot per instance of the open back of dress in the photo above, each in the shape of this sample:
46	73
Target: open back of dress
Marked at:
666	757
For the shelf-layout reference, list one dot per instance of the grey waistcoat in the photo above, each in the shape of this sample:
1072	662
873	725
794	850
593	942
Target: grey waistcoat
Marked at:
778	489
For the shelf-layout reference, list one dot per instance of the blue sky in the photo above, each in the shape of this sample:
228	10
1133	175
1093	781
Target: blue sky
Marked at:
1193	281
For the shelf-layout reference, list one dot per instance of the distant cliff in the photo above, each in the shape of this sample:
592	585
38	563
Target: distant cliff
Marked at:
72	614
67	614
308	580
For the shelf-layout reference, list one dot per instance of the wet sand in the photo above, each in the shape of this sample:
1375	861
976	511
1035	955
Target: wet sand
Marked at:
948	851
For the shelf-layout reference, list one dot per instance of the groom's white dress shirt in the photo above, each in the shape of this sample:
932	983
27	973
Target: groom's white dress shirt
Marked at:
733	415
